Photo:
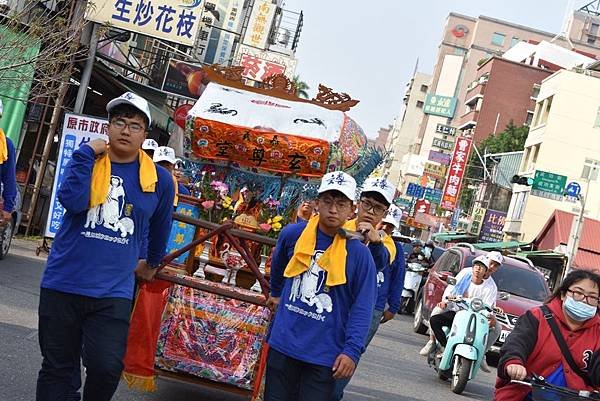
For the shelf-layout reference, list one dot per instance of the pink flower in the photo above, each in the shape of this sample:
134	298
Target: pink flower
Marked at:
265	227
209	204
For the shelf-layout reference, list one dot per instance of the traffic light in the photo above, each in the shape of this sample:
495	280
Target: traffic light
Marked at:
522	180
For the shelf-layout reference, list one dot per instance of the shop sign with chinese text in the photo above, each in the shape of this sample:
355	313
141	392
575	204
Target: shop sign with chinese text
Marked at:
445	129
436	170
492	226
77	130
442	144
261	64
456	173
260	23
438	105
172	20
478	217
442	158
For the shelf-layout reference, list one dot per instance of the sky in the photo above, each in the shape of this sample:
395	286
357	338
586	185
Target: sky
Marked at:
369	49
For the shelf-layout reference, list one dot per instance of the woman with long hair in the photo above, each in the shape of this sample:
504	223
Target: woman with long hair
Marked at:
532	348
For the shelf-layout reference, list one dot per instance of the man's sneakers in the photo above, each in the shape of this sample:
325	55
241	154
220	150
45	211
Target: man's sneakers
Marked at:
427	348
484	366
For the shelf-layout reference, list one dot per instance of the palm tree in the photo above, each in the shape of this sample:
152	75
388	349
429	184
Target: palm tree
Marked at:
300	86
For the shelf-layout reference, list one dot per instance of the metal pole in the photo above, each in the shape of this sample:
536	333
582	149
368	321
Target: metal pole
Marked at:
575	234
87	72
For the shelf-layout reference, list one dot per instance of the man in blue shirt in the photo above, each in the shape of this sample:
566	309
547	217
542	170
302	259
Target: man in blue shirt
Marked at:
114	196
7	175
323	286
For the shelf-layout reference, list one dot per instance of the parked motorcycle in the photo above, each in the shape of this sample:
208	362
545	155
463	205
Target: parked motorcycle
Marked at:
413	280
466	344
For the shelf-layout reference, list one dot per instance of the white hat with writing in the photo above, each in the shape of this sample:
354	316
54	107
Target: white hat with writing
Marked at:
164	153
393	216
339	181
381	186
134	100
149	144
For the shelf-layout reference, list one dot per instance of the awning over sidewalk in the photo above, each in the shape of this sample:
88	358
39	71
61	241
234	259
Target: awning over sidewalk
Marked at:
556	233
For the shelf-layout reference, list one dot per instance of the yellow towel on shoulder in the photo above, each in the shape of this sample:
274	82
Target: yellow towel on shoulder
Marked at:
101	177
3	147
333	261
176	200
388	242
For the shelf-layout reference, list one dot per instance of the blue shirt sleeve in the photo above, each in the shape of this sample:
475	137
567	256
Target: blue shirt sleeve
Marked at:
9	179
380	254
398	269
279	261
74	192
182	189
364	288
161	220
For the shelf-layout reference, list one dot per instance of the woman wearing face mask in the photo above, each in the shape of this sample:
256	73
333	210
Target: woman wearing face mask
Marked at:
532	348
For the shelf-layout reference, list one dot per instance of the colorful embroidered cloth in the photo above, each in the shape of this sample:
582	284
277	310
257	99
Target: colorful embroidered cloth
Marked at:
211	336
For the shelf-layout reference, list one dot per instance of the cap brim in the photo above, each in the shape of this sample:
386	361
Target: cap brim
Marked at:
164	159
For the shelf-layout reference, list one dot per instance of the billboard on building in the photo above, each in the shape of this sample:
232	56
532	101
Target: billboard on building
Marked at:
260	23
184	79
456	173
442	158
76	131
261	64
439	105
172	20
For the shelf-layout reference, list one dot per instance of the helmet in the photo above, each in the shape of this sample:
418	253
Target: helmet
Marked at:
482	259
430	244
495	256
417	242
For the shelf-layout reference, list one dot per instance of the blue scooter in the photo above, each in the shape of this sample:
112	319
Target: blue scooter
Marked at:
466	344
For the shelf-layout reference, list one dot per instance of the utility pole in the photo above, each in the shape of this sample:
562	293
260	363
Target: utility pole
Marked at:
87	71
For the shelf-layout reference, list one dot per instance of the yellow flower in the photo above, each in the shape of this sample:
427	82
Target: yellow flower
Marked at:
226	202
276	226
277	219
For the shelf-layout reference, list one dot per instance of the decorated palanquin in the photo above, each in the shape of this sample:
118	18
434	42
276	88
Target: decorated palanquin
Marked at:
251	153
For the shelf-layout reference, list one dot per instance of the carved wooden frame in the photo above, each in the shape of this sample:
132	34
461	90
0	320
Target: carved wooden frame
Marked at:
279	86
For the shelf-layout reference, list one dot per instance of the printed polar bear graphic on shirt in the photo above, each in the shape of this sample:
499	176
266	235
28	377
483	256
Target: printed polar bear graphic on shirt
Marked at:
380	279
110	213
309	286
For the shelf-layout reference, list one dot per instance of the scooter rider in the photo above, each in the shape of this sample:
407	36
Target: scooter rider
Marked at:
417	255
469	283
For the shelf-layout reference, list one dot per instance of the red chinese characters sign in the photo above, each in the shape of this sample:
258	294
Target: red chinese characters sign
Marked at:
256	148
258	69
456	172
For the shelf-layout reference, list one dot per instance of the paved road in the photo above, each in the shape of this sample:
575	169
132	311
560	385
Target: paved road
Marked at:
391	369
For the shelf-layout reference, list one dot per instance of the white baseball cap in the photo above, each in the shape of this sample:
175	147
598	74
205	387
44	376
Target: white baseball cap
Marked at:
134	100
339	181
149	144
496	257
393	216
381	186
483	260
164	153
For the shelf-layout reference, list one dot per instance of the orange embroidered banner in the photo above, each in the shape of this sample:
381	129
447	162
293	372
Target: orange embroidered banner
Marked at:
260	148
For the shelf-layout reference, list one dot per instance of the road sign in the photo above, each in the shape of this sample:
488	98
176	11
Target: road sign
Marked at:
573	189
548	185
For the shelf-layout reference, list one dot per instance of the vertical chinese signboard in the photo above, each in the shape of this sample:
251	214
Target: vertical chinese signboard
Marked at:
77	130
172	20
456	172
478	217
260	23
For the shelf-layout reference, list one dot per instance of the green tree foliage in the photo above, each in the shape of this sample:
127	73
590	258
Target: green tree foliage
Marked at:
512	139
301	87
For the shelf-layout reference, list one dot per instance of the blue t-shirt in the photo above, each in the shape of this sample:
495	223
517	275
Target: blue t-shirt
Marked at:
182	189
95	251
8	177
390	282
315	323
